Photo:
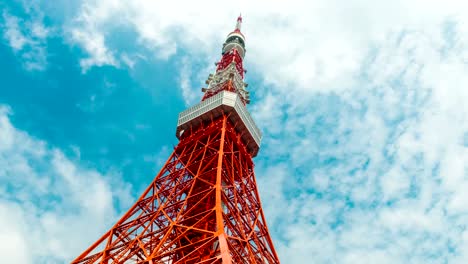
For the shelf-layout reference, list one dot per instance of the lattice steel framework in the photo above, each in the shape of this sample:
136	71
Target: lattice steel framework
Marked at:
203	206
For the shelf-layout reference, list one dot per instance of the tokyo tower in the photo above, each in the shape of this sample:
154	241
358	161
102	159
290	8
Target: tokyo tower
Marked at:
203	206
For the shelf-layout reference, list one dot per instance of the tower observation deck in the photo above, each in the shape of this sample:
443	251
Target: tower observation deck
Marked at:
203	206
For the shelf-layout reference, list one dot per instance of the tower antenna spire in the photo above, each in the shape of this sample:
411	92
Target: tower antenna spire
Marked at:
239	23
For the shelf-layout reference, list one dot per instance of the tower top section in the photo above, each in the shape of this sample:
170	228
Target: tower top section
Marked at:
235	39
226	94
229	74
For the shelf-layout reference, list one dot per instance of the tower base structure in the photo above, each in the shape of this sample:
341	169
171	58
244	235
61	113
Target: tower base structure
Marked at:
202	207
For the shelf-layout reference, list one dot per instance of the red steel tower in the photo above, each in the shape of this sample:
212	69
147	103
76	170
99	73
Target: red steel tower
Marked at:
203	206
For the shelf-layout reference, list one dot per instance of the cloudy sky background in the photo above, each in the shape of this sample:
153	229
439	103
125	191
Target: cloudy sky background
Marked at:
363	105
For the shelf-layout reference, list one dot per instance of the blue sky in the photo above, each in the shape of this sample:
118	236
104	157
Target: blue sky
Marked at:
363	106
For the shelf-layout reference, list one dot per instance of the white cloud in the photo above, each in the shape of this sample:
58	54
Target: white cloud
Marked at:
12	33
94	44
51	206
188	92
28	40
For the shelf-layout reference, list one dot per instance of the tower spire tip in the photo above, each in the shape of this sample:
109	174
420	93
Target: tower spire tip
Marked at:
239	22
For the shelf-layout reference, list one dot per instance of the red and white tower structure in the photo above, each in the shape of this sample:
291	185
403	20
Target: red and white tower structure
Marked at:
203	206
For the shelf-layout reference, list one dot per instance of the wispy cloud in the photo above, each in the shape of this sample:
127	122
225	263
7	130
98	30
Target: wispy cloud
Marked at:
94	44
28	40
51	205
12	33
